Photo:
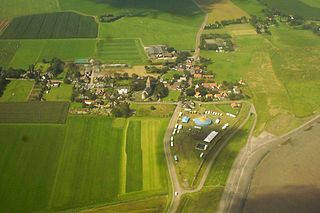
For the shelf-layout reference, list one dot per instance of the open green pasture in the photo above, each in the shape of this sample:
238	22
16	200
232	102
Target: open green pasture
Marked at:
51	25
7	51
33	112
174	23
12	8
252	7
33	51
84	162
282	80
121	51
62	93
17	91
306	9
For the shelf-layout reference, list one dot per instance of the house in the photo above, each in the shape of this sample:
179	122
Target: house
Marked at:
123	91
208	76
55	84
197	95
209	95
209	85
235	105
89	102
218	96
197	75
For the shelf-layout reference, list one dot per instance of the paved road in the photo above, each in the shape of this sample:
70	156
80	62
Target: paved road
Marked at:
238	184
175	185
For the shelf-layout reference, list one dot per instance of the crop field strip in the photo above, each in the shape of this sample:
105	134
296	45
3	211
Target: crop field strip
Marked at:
82	160
51	25
134	157
34	112
7	51
121	51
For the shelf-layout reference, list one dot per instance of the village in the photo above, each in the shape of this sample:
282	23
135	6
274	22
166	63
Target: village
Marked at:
172	76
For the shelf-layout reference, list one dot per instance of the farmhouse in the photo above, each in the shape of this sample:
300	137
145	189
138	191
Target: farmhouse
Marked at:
158	52
209	85
211	136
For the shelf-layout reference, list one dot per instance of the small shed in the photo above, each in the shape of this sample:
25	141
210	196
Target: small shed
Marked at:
185	119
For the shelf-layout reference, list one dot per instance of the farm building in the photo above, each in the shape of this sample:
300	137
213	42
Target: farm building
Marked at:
211	136
185	119
158	51
202	121
201	146
82	61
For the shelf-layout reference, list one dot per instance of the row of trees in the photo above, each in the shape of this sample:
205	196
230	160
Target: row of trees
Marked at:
223	23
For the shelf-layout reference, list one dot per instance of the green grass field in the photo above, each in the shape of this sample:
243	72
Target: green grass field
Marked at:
11	8
252	7
33	112
294	74
17	91
172	23
306	9
173	96
7	51
134	179
50	26
121	51
33	51
62	93
84	160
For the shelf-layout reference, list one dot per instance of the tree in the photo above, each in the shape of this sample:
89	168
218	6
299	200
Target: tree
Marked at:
190	92
152	108
121	110
160	90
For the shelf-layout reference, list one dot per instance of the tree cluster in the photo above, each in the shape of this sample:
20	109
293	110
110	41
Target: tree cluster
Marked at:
122	110
223	23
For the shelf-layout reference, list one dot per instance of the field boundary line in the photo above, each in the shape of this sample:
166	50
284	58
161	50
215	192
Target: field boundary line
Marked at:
28	97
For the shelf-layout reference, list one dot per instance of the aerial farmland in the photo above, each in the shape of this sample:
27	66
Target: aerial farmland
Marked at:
159	105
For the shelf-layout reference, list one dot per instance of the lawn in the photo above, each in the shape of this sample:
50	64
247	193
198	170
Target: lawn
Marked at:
173	96
17	91
11	8
33	51
169	75
121	51
62	93
33	112
161	110
51	25
83	162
